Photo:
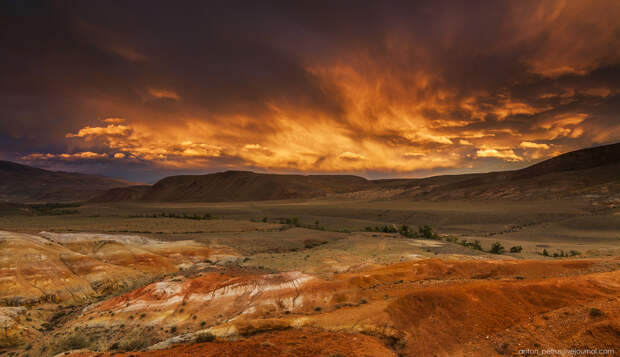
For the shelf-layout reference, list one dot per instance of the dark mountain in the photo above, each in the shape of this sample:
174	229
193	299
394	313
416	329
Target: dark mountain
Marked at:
21	183
587	171
238	186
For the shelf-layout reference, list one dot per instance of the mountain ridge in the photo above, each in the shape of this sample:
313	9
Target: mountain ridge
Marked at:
23	183
561	176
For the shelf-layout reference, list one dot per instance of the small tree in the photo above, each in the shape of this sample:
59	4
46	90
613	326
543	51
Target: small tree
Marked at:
497	248
545	253
516	249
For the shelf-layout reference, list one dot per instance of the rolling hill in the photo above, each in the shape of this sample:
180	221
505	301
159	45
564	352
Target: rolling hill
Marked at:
21	183
592	171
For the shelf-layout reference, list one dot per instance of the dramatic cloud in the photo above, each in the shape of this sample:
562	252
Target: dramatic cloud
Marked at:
374	88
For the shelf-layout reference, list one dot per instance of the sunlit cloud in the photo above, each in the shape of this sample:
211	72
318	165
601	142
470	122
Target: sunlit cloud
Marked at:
504	154
111	129
532	145
351	156
163	94
114	120
87	155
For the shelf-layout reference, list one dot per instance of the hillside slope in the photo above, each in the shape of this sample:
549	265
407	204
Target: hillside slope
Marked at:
238	186
586	171
21	183
592	171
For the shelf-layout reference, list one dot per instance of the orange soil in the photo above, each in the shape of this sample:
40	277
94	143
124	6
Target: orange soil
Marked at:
424	308
300	343
439	320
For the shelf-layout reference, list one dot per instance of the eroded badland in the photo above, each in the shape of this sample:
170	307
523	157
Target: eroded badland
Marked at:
311	277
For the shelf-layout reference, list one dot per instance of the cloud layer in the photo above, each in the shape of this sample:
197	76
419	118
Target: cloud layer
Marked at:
379	89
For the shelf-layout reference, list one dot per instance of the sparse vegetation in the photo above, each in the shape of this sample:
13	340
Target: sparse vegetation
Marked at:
382	229
427	232
182	215
53	209
311	243
404	230
497	248
135	344
75	341
560	254
473	245
516	249
205	337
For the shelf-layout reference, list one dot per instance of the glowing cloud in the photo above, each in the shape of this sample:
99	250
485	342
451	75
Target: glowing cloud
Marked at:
163	94
97	130
504	154
532	145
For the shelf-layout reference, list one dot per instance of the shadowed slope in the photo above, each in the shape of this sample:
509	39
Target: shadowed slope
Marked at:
25	183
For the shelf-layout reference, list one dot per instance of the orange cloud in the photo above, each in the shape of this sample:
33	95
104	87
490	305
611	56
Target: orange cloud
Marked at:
504	154
98	131
532	145
86	155
163	94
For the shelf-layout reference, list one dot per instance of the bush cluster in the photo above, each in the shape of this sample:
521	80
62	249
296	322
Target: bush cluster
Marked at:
182	215
404	230
560	254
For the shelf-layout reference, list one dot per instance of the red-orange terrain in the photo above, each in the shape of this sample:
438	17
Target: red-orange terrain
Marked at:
421	308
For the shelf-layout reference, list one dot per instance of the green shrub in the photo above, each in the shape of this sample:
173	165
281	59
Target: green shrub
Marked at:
497	248
452	239
426	231
516	249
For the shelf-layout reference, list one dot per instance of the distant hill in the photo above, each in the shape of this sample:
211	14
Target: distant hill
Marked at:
237	186
21	183
587	171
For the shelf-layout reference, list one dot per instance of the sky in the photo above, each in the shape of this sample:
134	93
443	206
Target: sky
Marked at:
145	89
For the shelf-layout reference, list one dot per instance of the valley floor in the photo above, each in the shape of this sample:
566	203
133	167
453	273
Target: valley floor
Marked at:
306	278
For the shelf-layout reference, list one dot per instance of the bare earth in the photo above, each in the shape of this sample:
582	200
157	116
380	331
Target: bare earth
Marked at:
306	278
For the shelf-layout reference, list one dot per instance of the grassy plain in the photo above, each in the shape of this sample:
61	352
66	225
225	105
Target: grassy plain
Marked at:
282	227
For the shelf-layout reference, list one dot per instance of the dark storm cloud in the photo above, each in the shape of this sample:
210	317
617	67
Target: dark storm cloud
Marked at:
375	87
